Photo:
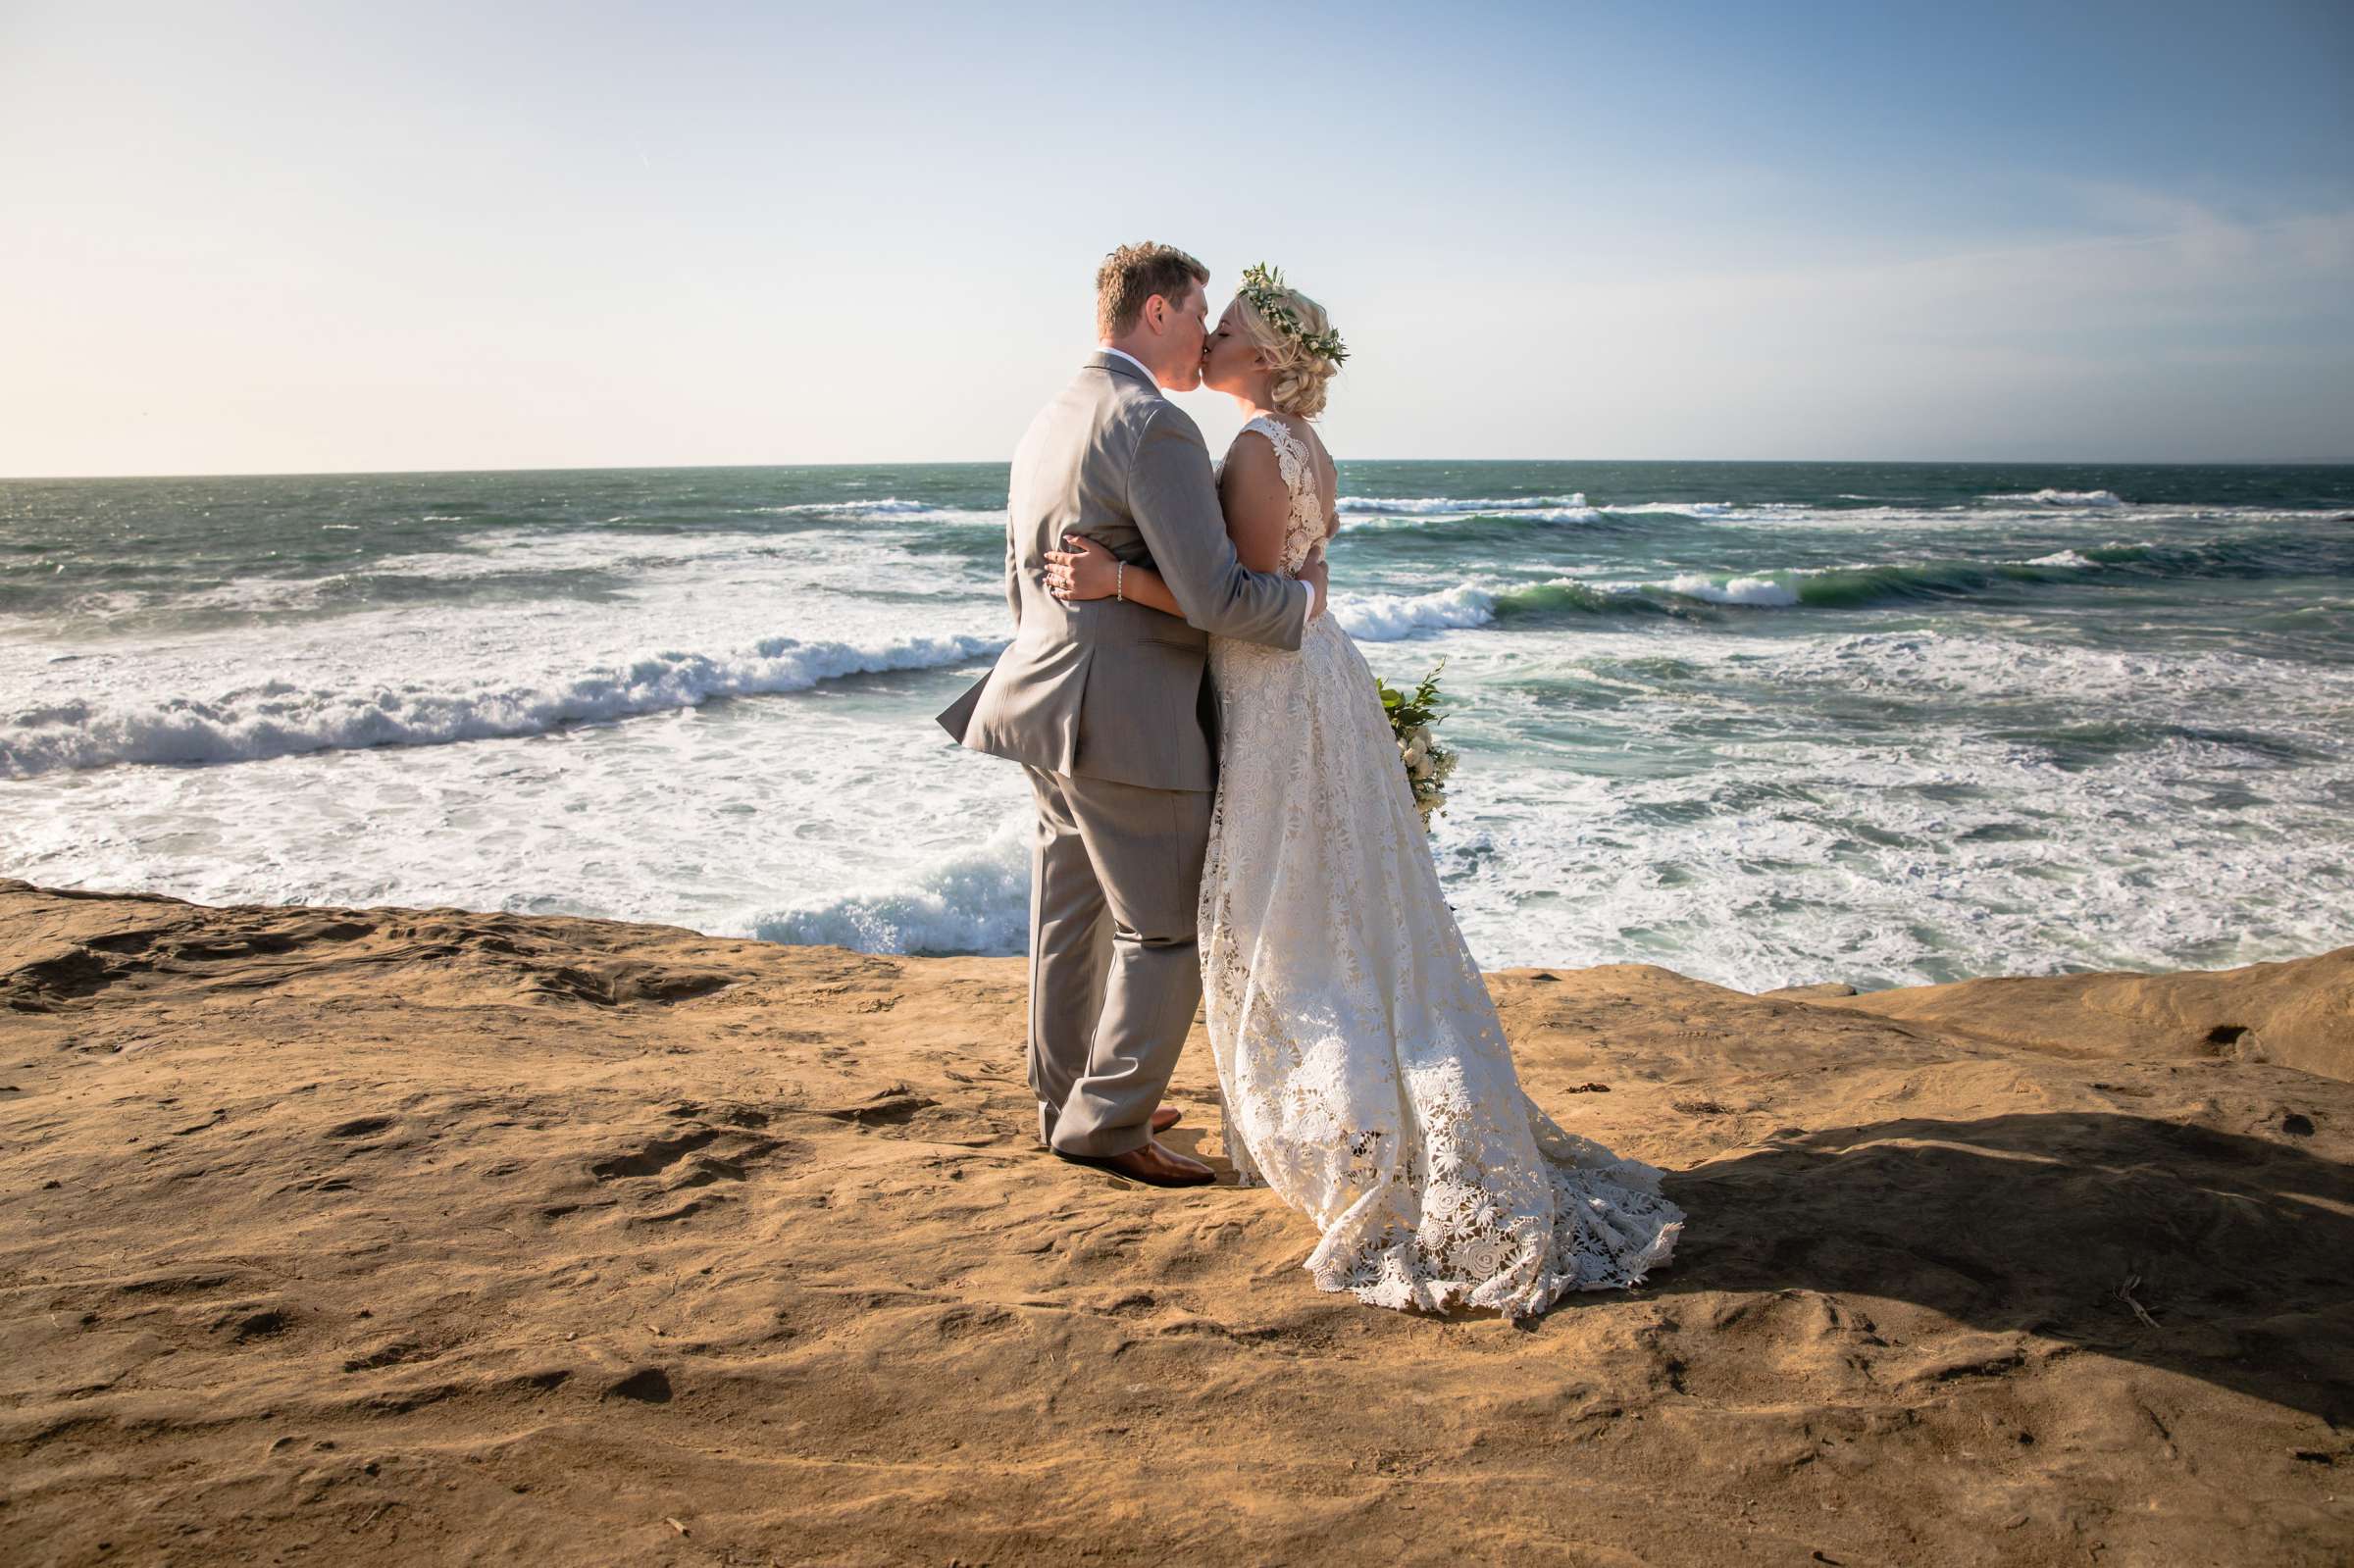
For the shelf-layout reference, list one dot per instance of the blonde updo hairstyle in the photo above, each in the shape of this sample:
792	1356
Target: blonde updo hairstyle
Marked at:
1301	372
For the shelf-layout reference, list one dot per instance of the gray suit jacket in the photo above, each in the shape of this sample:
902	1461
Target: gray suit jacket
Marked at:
1105	688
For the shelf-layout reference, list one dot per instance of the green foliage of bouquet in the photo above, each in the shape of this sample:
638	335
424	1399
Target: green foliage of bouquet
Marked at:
1427	763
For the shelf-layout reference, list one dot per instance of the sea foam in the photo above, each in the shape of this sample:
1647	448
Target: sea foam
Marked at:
882	509
1456	506
1762	591
280	718
2051	497
972	900
1388	617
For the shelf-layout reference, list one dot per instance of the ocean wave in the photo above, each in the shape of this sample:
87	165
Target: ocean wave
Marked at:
1380	522
2051	497
1892	859
1389	618
1565	508
1848	587
1736	511
1762	591
1392	617
1574	597
600	549
2163	686
1580	509
279	718
973	900
632	555
2037	507
1457	506
887	508
2024	506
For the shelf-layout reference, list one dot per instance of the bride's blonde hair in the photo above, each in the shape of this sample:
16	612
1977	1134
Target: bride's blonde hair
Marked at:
1303	361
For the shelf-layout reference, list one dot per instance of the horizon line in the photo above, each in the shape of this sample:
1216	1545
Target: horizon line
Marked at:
698	467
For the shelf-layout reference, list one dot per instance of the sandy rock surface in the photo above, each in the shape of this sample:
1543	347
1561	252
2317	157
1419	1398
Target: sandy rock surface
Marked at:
408	1235
2299	1014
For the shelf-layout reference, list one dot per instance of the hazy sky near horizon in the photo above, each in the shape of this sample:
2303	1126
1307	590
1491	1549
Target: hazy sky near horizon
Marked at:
244	239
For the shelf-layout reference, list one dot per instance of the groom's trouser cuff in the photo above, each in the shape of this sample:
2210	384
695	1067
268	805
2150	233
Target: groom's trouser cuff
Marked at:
1106	1027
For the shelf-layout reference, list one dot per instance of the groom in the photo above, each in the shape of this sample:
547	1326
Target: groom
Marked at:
1108	707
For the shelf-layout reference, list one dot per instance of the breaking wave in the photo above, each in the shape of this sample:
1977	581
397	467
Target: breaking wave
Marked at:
974	900
282	718
2050	498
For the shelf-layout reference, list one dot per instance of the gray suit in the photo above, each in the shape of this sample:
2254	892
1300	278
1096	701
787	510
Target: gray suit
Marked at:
1109	706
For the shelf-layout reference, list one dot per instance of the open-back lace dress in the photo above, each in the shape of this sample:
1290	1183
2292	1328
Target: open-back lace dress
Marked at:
1366	1075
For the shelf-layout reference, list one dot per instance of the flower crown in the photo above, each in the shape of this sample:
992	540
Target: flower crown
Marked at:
1263	286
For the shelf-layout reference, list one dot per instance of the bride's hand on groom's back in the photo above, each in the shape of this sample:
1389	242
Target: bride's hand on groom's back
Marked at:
1081	570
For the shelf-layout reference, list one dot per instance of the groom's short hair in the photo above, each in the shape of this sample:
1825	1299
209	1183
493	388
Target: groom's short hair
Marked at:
1134	274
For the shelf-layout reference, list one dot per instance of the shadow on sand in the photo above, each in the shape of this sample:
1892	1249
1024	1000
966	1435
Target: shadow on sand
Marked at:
2243	1248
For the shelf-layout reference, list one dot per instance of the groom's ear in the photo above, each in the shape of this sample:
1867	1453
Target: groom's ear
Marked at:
1161	311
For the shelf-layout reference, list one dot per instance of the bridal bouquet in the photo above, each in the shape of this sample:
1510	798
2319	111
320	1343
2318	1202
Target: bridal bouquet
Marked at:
1427	763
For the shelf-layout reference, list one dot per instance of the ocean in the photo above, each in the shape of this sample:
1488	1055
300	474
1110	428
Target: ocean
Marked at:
1762	722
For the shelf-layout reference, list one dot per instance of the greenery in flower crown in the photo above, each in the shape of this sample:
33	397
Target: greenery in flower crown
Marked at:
1263	286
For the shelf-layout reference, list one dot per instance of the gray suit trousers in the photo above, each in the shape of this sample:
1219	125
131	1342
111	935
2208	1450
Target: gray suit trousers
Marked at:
1114	979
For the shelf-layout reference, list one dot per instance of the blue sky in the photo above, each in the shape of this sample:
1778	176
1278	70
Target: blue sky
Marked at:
250	238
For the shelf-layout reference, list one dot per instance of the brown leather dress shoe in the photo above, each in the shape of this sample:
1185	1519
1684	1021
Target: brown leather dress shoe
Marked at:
1153	1165
1164	1117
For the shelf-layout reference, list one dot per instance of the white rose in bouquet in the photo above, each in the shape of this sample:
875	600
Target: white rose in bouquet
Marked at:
1427	763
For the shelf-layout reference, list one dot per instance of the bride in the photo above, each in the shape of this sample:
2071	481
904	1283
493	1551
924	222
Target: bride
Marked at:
1366	1075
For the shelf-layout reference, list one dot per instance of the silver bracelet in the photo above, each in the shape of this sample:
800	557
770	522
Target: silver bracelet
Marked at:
1119	581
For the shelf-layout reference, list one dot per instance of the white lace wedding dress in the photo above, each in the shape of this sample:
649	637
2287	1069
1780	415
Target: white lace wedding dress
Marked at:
1366	1075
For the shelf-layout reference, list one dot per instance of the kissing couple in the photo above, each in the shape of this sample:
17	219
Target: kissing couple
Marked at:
1223	819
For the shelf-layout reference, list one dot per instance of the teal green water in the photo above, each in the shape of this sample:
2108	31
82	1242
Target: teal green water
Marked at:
1765	723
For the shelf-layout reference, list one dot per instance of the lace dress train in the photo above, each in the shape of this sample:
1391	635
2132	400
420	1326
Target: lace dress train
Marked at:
1366	1075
